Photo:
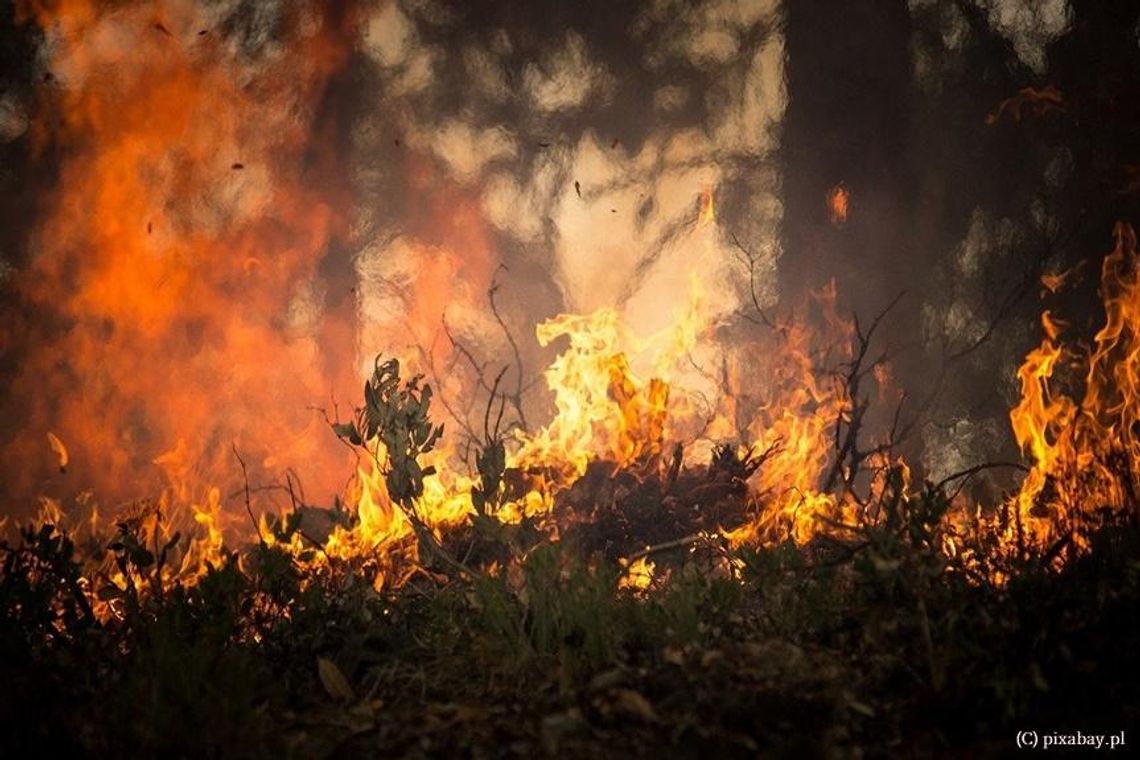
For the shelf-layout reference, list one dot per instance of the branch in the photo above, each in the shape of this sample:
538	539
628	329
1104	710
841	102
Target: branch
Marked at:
516	399
848	452
750	259
248	505
970	472
675	544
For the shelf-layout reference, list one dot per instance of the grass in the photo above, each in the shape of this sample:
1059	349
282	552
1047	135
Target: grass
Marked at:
886	651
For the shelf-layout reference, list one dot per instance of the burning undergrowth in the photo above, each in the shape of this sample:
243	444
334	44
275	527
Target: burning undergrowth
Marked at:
613	478
618	564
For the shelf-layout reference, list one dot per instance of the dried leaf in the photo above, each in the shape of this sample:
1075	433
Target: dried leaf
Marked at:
334	681
633	703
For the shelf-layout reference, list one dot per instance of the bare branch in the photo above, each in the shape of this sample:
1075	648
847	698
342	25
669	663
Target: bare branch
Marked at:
248	505
750	260
516	398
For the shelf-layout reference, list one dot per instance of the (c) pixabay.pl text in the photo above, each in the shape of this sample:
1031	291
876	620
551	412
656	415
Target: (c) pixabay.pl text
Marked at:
1054	740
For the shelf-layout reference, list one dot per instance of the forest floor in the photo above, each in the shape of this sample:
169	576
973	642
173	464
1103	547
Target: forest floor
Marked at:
879	646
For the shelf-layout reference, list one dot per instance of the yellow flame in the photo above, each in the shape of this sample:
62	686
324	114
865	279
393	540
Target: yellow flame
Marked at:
638	575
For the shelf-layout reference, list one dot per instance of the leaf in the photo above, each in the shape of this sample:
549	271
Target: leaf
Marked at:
334	681
634	704
347	430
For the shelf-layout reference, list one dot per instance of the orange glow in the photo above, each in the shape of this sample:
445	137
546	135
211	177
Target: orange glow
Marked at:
605	411
181	248
837	200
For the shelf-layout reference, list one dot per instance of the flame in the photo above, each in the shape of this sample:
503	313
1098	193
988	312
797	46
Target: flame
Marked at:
603	410
1083	451
837	200
176	267
638	575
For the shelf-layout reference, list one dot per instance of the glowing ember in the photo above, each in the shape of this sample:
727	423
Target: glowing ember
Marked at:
837	200
59	449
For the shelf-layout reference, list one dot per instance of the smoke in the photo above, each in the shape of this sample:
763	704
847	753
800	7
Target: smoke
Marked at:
576	151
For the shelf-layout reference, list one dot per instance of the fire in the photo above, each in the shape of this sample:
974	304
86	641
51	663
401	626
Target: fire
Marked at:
606	412
638	575
603	411
180	252
837	200
181	258
1084	451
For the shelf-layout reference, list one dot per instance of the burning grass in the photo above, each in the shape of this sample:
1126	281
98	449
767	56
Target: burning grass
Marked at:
884	648
599	586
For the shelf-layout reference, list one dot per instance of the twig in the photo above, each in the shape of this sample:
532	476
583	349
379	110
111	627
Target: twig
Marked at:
848	454
333	421
1056	549
293	501
248	504
516	399
675	544
429	356
750	258
490	437
971	471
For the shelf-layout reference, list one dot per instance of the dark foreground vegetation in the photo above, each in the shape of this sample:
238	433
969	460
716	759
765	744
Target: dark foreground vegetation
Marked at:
883	646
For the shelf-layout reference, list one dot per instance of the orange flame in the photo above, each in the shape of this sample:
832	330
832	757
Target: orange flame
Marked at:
1076	446
837	200
178	254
